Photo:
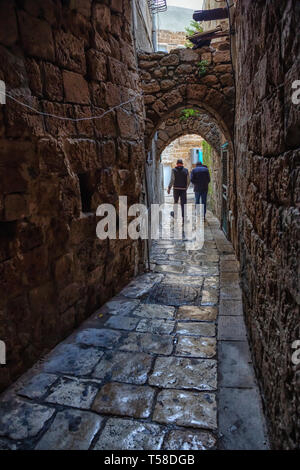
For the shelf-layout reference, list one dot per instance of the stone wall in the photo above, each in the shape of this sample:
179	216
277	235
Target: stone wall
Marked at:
171	40
181	148
73	62
267	136
173	81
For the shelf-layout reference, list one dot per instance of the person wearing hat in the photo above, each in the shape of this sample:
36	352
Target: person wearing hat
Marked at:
180	181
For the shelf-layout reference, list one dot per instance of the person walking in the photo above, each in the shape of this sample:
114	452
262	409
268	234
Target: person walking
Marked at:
180	181
200	178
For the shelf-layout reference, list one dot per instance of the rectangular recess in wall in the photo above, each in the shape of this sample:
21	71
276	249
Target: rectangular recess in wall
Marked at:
86	191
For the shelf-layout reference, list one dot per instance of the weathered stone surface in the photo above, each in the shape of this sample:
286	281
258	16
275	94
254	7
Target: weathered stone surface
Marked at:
100	338
190	440
70	52
156	326
235	368
231	328
230	307
155	311
175	372
196	347
37	386
238	408
72	430
195	329
122	323
73	392
124	400
37	36
147	342
97	65
141	285
121	434
189	312
186	409
22	420
124	367
119	306
76	88
73	359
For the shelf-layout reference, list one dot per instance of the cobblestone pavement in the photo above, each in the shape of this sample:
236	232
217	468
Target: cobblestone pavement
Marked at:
163	365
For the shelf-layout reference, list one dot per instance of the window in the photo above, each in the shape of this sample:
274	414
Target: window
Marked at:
162	47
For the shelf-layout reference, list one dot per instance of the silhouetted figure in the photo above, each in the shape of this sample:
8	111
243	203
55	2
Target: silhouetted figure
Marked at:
200	178
180	181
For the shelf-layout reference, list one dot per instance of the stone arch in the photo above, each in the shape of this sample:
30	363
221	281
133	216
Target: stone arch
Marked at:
174	127
171	81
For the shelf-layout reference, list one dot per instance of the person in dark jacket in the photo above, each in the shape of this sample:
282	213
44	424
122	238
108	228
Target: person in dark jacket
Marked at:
180	181
200	178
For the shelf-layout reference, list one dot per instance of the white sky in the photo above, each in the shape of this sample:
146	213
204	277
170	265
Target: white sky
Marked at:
193	4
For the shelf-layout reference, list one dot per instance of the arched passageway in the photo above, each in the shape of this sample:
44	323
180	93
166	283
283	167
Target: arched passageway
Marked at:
199	80
186	147
186	78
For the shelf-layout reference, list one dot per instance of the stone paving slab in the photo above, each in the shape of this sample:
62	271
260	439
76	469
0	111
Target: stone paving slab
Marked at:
168	268
189	312
100	338
37	386
156	326
22	420
125	400
121	323
230	307
73	392
232	328
119	306
229	265
196	329
186	409
141	285
196	347
232	292
71	430
241	423
172	292
148	343
73	359
166	312
177	372
235	368
124	367
122	434
190	440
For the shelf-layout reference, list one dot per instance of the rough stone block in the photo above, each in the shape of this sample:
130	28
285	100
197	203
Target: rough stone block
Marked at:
36	36
96	65
76	88
125	400
181	373
124	367
121	434
190	409
72	430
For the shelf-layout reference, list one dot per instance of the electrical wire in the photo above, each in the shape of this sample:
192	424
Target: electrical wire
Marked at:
64	118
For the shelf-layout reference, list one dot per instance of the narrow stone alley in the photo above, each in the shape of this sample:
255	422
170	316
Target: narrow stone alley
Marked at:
115	339
163	365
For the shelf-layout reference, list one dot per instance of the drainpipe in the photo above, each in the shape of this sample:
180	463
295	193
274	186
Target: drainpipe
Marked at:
154	32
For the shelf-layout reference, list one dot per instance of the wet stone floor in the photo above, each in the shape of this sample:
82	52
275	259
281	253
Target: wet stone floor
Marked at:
163	365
